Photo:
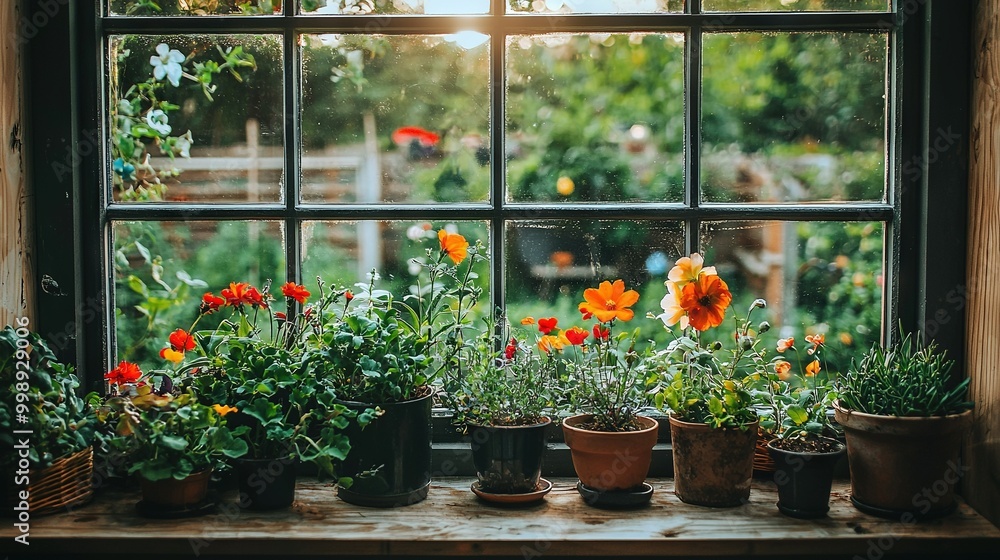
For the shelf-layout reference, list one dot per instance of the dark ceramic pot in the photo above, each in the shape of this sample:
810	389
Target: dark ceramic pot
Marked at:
266	483
390	458
508	459
804	480
172	493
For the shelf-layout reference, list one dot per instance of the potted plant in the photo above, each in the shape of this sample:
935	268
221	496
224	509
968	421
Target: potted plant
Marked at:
803	454
604	379
500	395
282	413
383	353
169	439
904	416
713	420
41	406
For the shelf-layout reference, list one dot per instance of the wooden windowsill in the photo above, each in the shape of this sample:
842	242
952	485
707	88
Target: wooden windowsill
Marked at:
452	522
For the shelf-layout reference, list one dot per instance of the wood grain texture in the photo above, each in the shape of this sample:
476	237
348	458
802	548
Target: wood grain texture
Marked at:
453	522
15	228
982	484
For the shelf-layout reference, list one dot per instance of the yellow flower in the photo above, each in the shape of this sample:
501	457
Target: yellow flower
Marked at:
172	355
565	186
609	301
729	385
689	269
813	368
224	410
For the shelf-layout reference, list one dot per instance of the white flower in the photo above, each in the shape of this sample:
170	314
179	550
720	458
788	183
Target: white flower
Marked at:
414	267
415	232
182	146
157	120
167	63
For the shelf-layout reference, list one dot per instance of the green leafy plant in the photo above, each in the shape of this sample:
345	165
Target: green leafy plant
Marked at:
162	435
196	7
796	403
910	378
381	349
703	384
60	422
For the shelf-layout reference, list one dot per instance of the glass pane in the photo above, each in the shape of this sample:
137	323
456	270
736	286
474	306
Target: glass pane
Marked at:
817	278
595	117
194	7
594	6
163	268
794	117
344	253
362	7
395	119
794	5
550	263
196	118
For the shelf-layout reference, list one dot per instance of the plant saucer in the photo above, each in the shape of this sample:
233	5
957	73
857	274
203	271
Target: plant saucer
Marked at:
157	511
544	486
616	499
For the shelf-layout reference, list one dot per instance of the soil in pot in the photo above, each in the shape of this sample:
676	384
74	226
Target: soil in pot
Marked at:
712	466
610	461
508	459
390	459
266	483
804	474
904	465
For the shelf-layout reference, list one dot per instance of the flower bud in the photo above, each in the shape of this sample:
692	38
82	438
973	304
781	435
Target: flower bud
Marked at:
716	346
758	303
746	342
763	327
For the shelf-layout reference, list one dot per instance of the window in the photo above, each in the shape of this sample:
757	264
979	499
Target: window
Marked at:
581	140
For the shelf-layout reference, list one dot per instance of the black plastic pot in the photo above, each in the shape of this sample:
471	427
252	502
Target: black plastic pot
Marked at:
804	479
266	483
390	459
508	459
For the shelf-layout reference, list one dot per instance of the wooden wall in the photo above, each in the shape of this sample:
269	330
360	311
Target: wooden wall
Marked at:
982	484
16	278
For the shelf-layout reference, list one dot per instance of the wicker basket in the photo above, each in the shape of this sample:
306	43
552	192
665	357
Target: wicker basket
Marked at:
67	482
762	462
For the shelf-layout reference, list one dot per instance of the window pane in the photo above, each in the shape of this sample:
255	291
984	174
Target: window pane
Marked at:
163	268
794	5
794	117
362	7
817	277
395	119
344	253
595	6
595	117
194	7
196	118
550	263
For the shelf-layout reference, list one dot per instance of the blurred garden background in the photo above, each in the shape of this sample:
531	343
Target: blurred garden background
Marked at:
786	118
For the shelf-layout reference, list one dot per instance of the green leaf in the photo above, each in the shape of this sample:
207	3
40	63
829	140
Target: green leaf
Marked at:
797	414
138	286
176	443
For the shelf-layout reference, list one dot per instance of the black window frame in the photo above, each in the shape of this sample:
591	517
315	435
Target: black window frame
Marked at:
926	209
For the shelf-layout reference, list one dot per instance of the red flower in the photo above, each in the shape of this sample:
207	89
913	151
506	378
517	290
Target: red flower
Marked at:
545	326
125	373
349	295
255	298
404	135
576	335
295	291
239	293
601	333
585	311
181	341
210	303
511	349
280	316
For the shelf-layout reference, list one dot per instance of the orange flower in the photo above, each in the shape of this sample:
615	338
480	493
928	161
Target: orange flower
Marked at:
785	344
210	303
224	410
705	301
295	291
783	369
673	312
348	295
240	293
816	340
813	368
528	321
546	326
453	245
125	373
549	343
576	335
609	301
172	355
846	339
689	269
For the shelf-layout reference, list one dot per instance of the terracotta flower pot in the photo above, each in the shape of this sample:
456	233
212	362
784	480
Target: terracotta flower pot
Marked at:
904	465
609	461
712	466
173	493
